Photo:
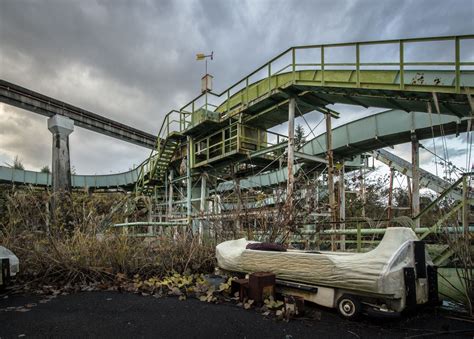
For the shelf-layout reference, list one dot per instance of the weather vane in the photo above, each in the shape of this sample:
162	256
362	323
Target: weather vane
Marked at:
202	56
206	80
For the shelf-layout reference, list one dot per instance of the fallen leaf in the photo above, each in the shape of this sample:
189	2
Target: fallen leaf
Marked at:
22	309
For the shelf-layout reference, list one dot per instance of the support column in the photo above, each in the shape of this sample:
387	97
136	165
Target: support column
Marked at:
415	160
291	152
332	200
238	195
410	196
61	127
189	182
170	198
125	229
465	206
342	206
165	199
239	205
218	221
362	191
149	201
203	204
390	198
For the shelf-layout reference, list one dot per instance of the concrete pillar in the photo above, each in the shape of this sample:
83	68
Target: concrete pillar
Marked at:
61	127
415	160
291	151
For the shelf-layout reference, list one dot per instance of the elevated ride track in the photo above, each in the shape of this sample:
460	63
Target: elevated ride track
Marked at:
356	137
38	103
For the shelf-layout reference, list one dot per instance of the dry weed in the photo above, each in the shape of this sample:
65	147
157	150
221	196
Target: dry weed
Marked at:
88	253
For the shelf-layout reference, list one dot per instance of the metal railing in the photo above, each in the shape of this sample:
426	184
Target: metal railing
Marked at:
231	139
323	65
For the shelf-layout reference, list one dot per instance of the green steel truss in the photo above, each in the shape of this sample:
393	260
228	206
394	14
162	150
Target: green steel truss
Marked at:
316	77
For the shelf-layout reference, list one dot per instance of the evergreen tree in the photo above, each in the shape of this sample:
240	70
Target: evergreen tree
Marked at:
45	169
17	164
299	136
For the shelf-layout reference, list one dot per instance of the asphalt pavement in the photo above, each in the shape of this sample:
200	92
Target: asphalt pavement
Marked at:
127	315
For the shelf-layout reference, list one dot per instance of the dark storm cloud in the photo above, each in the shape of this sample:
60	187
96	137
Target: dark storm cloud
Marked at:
137	46
134	60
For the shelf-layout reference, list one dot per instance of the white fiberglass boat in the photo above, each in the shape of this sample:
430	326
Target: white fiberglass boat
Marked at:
396	275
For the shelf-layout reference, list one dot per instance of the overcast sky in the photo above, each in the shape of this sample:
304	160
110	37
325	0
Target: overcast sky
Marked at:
133	61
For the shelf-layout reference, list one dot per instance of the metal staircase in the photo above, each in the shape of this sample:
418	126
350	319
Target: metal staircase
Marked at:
160	163
154	173
463	206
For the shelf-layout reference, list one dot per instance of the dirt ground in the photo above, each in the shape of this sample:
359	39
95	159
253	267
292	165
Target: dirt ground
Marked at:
113	314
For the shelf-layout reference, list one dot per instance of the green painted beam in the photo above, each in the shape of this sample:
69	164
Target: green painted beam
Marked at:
377	88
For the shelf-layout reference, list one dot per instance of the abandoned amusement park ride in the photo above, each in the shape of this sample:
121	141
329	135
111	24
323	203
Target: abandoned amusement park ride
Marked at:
218	165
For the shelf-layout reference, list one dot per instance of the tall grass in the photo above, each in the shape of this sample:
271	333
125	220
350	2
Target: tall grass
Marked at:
76	246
